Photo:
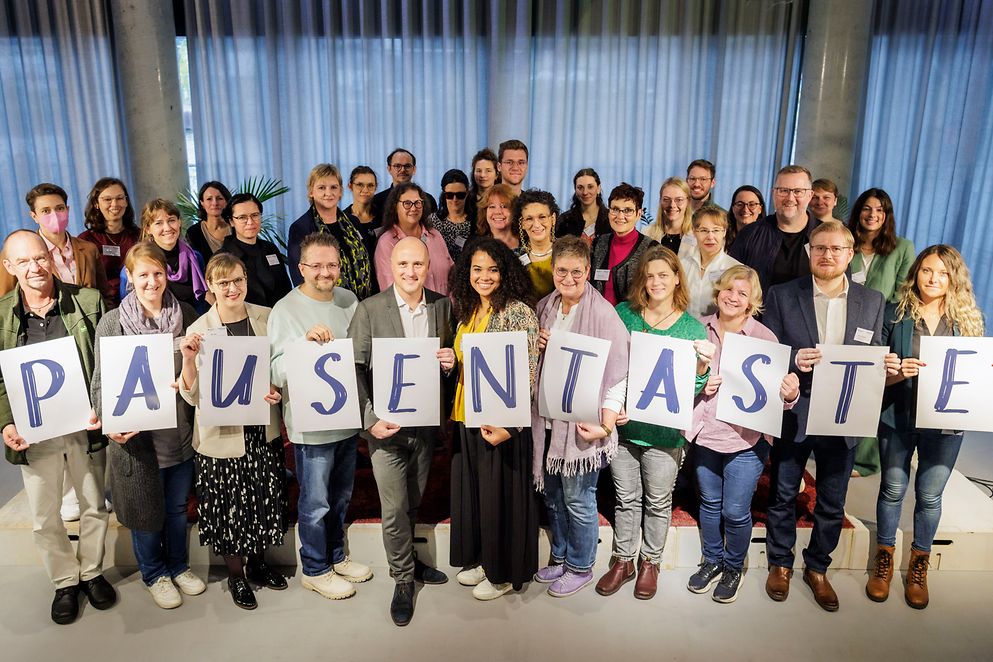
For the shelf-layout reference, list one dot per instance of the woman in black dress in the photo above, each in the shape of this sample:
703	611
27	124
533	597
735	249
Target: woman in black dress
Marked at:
268	281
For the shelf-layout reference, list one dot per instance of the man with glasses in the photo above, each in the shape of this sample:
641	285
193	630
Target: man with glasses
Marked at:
401	457
319	311
777	246
701	177
512	164
41	308
402	165
825	307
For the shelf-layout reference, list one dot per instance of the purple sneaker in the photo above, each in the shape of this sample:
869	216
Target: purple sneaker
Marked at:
549	573
570	582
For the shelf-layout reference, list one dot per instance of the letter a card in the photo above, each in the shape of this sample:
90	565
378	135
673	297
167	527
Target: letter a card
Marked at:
847	391
234	380
752	370
406	381
136	376
571	377
953	389
46	389
661	380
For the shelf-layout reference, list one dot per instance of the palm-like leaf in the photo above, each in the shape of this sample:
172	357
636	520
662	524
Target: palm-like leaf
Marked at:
263	188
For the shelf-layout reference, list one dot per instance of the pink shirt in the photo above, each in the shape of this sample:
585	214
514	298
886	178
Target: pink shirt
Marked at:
63	260
707	430
441	261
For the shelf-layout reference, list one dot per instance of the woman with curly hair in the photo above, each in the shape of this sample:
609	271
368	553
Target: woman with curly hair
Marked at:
406	215
494	217
936	299
109	218
494	505
534	213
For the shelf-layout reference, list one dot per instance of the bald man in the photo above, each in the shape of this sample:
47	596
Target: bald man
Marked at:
41	308
401	457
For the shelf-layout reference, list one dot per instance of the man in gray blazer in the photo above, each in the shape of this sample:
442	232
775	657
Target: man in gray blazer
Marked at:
401	457
827	308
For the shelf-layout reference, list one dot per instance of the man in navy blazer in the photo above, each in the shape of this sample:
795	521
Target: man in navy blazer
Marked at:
826	308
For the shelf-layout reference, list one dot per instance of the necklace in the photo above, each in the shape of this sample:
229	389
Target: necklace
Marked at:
545	254
654	326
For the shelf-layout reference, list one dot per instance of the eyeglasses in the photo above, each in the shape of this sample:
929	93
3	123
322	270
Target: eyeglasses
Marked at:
784	191
402	167
678	201
698	180
363	187
411	204
321	268
238	283
121	199
24	264
752	206
836	251
577	274
245	217
627	212
519	164
714	231
540	218
455	195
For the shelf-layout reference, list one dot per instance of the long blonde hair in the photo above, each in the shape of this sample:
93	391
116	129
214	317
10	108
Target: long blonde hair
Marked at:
657	229
959	306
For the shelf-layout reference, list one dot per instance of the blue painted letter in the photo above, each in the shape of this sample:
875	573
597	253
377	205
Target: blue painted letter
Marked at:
242	389
847	388
340	395
760	395
31	387
948	381
397	389
139	374
478	365
572	376
662	374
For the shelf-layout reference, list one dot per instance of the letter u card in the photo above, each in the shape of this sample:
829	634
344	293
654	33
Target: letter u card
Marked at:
46	389
136	376
752	370
406	381
954	383
234	380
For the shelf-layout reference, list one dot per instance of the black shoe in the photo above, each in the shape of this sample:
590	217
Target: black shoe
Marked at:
263	575
704	578
402	607
241	593
727	588
428	575
99	592
65	606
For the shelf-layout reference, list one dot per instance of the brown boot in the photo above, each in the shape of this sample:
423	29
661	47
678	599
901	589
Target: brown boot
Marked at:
777	584
878	586
648	580
824	594
619	574
916	592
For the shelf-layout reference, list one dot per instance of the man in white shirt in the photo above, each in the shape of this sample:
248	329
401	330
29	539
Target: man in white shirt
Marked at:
401	457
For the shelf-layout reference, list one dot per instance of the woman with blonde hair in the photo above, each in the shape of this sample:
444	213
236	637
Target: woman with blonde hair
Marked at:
936	299
673	224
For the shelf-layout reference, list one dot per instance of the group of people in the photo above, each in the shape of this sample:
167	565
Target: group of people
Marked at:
490	257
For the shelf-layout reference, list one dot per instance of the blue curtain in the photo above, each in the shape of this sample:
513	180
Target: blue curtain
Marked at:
633	88
927	129
58	104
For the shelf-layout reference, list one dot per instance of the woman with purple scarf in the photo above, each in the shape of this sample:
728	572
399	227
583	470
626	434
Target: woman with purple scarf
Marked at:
161	223
568	456
152	470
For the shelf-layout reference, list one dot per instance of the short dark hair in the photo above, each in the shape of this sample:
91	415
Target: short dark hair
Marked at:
702	163
362	170
201	212
390	217
570	246
319	239
399	150
45	189
625	191
237	199
512	144
825	185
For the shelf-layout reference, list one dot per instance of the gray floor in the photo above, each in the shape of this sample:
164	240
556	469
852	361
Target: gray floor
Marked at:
451	626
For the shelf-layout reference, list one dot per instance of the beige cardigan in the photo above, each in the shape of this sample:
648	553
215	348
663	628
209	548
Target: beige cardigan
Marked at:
227	440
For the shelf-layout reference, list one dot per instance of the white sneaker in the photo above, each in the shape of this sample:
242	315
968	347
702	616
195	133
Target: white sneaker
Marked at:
189	583
69	510
353	571
487	591
472	576
330	585
165	594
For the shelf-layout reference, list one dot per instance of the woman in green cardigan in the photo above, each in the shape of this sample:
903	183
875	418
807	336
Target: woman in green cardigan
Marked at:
881	262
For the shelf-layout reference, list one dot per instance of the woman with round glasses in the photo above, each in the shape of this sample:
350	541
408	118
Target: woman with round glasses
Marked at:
362	183
455	219
704	264
615	255
405	216
747	206
268	281
587	217
208	234
110	224
674	222
534	213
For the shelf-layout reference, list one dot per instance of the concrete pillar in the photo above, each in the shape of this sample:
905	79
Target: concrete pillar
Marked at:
835	65
145	52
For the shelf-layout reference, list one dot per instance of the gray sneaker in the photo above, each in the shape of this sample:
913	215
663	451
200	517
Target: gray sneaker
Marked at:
727	588
704	578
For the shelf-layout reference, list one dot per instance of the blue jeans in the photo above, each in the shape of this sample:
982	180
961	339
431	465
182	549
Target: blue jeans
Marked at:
572	516
936	455
727	483
326	474
165	552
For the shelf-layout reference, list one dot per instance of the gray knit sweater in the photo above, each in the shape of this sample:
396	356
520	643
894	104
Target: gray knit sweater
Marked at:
138	495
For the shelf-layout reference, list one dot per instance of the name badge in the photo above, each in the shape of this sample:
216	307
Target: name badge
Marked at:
273	260
460	242
525	259
715	276
859	277
589	231
219	331
863	335
601	274
111	250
